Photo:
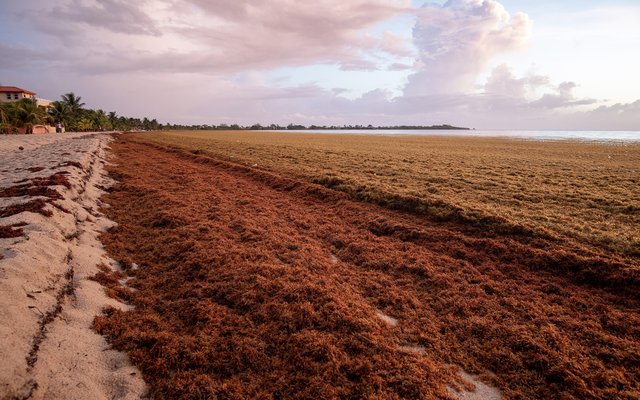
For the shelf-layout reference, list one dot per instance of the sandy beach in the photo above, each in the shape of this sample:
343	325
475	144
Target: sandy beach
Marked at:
49	199
188	265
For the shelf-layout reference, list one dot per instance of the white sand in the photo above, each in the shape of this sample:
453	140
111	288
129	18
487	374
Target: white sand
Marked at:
386	318
67	359
474	389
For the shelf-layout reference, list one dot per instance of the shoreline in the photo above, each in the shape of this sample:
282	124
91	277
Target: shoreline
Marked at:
604	137
47	299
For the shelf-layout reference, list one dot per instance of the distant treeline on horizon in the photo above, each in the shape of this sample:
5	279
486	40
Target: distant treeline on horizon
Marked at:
69	113
294	127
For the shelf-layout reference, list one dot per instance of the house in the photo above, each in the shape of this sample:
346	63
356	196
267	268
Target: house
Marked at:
13	93
44	104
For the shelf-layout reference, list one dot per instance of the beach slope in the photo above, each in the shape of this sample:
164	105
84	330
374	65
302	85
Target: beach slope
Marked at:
49	251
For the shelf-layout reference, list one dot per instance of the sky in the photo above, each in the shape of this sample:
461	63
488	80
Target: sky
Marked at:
486	64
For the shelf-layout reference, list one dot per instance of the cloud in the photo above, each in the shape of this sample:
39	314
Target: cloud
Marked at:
17	57
562	98
532	91
358	65
315	20
395	45
211	37
221	100
117	16
269	33
503	82
207	61
399	67
620	116
457	40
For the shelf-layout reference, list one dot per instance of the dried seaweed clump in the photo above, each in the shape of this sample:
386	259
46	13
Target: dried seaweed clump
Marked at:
110	279
12	231
35	206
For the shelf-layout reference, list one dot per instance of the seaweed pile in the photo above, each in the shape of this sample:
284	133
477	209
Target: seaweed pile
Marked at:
251	285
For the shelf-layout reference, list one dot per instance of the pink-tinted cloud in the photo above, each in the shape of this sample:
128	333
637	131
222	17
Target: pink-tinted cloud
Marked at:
503	82
268	33
180	61
562	98
457	40
114	15
623	116
70	18
211	37
17	57
395	45
400	67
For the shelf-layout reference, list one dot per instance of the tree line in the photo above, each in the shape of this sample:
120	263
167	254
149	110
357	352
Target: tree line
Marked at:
298	127
70	113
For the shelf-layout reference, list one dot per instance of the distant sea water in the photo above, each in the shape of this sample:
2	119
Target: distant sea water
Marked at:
588	136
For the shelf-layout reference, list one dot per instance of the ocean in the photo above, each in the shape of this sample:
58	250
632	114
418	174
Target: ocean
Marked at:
588	136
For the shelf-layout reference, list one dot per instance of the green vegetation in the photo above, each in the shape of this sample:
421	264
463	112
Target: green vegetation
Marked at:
69	111
299	127
20	114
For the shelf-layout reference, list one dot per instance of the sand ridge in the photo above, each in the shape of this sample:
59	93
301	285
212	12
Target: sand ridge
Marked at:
47	303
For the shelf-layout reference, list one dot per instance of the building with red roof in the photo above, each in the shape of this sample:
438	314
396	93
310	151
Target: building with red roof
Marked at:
13	93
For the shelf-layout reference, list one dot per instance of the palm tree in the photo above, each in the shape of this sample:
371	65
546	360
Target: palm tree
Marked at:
85	124
27	114
60	112
99	119
4	112
73	101
75	105
5	118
